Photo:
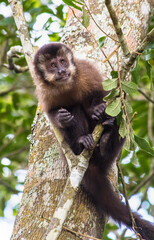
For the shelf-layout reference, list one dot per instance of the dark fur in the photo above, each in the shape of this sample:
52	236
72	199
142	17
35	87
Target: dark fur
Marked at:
75	105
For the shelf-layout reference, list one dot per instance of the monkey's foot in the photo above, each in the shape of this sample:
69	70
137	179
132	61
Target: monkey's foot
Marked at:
87	141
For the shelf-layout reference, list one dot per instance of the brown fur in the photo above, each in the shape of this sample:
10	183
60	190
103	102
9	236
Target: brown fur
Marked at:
53	96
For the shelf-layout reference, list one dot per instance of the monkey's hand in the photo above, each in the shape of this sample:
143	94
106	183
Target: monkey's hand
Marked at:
65	118
110	121
87	141
98	112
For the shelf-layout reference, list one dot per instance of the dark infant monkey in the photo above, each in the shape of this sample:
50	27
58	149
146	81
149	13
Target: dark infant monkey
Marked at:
71	93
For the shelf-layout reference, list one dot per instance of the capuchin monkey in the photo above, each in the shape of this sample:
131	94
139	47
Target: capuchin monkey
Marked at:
71	93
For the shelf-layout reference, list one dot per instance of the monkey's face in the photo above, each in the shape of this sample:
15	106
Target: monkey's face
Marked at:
58	69
54	63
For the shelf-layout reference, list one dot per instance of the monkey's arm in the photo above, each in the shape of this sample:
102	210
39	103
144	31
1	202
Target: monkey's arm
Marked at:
61	118
95	106
74	128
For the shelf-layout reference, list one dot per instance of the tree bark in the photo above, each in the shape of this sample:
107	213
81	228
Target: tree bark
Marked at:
47	169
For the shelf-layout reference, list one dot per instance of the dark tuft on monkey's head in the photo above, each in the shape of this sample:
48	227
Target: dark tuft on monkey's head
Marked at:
52	50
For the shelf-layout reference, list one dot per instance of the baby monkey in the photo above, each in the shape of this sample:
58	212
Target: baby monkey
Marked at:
71	93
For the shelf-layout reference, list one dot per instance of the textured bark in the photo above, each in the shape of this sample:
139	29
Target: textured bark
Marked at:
47	173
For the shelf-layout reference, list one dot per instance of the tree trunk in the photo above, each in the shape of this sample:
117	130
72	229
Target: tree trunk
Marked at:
47	169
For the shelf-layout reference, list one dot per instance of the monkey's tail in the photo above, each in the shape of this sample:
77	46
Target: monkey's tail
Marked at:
107	201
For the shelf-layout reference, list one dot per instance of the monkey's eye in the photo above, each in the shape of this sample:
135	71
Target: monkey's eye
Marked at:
62	61
53	65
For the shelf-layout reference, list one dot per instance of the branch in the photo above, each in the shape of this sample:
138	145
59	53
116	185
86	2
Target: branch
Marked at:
18	132
117	27
17	10
14	88
8	186
71	187
10	55
4	93
3	52
80	234
141	184
147	97
17	151
127	65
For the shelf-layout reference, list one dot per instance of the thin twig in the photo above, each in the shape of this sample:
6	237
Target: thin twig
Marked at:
144	195
147	97
117	27
114	51
127	203
128	64
141	184
98	24
135	113
8	186
18	151
92	37
80	234
19	131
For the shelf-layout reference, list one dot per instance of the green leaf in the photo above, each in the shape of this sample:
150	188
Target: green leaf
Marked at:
101	41
136	73
70	3
15	100
148	54
127	143
123	127
60	11
7	21
128	87
128	107
151	62
114	74
114	108
79	1
113	93
144	145
109	84
85	17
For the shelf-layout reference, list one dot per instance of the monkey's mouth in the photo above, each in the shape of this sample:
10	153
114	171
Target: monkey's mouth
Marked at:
64	77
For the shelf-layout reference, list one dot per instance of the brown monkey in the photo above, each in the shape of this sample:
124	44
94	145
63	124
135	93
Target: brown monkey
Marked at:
71	93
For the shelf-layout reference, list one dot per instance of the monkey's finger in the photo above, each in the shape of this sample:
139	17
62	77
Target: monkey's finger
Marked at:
64	115
89	142
83	140
63	110
68	120
109	122
94	117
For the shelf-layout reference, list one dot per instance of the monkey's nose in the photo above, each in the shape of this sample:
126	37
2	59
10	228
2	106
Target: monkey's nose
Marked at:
61	71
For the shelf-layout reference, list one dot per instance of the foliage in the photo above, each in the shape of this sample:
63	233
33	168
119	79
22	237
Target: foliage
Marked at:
17	100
